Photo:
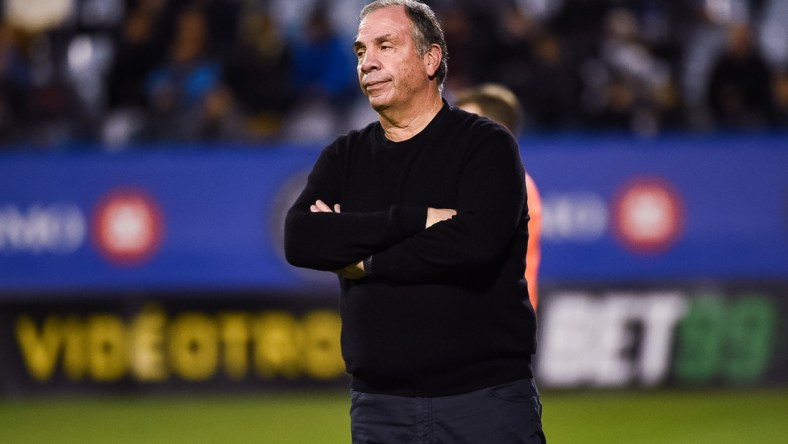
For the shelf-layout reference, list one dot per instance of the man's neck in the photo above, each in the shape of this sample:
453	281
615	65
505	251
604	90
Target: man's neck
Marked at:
399	126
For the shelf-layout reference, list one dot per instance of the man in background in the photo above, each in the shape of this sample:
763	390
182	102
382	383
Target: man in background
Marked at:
500	104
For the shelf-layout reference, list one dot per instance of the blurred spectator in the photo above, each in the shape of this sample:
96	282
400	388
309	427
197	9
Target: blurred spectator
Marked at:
780	93
323	76
15	82
669	106
122	71
550	90
218	118
138	50
222	18
505	50
259	74
179	90
291	15
323	61
579	23
52	102
478	40
773	32
619	106
460	37
622	81
739	84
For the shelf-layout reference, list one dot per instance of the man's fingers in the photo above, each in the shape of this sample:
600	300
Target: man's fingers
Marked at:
322	206
352	271
435	215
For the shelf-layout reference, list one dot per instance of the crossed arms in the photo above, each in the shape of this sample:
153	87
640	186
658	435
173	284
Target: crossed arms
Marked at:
357	270
410	242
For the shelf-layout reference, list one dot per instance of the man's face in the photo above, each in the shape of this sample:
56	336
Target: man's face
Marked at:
390	70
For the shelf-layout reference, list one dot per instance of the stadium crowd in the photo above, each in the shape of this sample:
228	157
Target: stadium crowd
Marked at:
124	73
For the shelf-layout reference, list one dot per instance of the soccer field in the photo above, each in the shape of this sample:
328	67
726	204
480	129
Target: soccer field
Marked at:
695	417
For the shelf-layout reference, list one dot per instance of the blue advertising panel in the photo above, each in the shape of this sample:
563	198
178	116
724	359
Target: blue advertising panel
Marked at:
681	208
192	219
614	209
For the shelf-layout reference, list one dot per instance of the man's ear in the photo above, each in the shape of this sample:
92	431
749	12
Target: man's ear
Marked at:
432	59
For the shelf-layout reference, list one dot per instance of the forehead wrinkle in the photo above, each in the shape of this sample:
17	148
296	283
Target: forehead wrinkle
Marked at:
377	40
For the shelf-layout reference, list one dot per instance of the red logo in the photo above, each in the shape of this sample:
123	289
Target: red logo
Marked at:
648	215
128	227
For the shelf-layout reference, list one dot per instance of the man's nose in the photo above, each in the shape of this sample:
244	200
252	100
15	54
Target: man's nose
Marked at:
368	63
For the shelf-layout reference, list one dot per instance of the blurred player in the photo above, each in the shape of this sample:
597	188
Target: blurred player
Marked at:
500	104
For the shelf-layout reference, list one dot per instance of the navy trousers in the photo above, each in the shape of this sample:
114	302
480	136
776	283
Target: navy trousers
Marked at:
510	413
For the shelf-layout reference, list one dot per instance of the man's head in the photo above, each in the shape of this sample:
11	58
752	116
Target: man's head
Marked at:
495	102
401	52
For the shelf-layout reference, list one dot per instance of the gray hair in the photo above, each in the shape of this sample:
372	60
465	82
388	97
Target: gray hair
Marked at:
425	29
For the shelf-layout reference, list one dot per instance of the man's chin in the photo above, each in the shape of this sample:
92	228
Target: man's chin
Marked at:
377	104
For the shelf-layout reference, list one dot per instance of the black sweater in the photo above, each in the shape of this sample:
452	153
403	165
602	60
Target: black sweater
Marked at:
445	309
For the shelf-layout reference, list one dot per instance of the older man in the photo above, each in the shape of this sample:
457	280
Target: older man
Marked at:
423	216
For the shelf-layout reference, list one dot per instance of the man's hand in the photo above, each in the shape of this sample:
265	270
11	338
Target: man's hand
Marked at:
321	207
352	271
435	215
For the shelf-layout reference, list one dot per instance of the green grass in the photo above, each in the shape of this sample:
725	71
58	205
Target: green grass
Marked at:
695	417
569	418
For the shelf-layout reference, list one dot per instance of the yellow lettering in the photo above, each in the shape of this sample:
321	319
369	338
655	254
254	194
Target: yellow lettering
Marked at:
39	352
193	346
74	361
276	351
147	345
107	349
235	337
321	347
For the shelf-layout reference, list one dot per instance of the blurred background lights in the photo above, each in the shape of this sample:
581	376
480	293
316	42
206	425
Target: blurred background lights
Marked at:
36	15
727	11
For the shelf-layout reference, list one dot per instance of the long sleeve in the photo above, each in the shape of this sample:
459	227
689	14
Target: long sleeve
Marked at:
445	309
330	241
490	201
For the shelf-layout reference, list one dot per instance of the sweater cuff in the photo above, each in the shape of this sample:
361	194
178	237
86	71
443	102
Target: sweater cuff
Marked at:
408	220
367	263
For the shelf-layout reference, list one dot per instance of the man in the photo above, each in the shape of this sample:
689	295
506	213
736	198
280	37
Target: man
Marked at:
500	104
423	216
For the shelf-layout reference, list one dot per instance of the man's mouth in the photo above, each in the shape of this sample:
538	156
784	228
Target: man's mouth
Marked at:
374	84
